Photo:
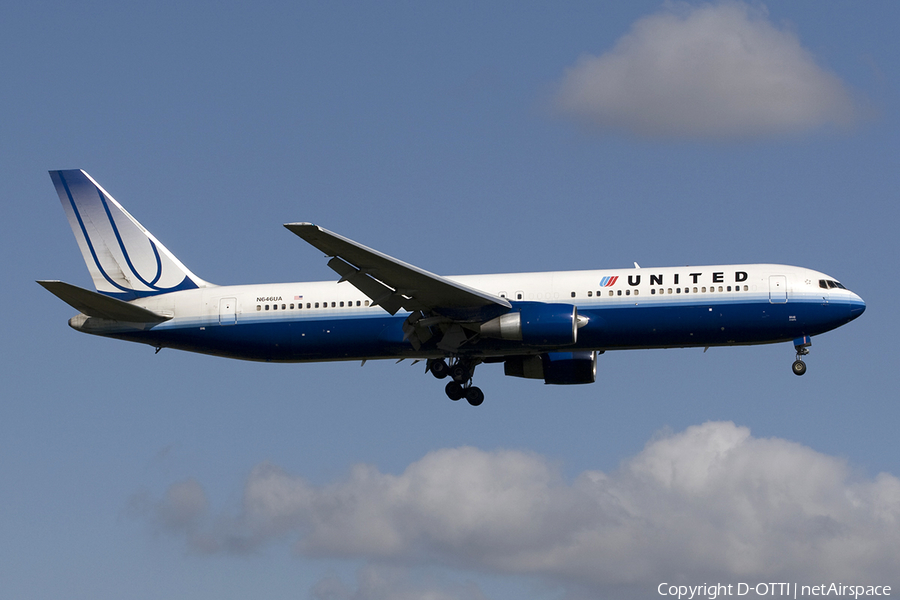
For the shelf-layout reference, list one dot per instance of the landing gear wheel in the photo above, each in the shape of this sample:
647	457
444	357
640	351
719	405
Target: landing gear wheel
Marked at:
454	391
460	373
439	369
474	396
799	367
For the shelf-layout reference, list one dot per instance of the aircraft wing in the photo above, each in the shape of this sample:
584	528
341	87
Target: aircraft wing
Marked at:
394	284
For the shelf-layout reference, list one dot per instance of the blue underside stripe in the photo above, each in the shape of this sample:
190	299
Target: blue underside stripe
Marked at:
312	337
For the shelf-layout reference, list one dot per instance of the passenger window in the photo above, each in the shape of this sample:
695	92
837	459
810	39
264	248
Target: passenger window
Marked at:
274	307
670	290
611	292
729	288
282	306
627	292
746	288
703	289
258	307
573	294
636	292
267	307
502	294
620	292
652	291
590	293
519	296
342	305
317	305
720	288
367	302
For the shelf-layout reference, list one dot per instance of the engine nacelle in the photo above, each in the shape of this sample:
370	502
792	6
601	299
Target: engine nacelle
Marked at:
537	324
559	368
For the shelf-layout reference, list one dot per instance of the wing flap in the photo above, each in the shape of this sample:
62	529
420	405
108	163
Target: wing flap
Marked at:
380	294
94	304
394	284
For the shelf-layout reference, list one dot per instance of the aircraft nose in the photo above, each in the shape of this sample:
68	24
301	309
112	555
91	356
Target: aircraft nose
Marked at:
857	307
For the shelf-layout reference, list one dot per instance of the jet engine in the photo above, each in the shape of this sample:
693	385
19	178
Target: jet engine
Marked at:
538	324
559	368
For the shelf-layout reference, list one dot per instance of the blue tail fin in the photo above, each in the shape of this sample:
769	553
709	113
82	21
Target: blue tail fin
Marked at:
124	259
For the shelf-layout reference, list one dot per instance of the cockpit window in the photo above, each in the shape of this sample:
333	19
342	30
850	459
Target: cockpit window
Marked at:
830	283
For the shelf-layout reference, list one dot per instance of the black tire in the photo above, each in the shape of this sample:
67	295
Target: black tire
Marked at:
454	391
474	396
799	367
439	369
459	373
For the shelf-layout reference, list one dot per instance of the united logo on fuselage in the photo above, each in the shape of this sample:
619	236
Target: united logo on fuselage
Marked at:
657	279
608	281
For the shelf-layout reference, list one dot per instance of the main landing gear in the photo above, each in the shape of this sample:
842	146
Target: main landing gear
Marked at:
460	371
801	345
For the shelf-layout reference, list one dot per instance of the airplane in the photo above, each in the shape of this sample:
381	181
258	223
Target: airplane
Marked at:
550	326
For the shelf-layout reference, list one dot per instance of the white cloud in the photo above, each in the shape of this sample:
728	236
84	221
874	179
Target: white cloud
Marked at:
713	71
711	502
183	503
386	583
181	509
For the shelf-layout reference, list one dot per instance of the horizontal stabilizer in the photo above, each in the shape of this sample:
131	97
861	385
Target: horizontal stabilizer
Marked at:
94	304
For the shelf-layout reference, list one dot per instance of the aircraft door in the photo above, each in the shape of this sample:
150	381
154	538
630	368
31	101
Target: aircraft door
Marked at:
227	311
777	289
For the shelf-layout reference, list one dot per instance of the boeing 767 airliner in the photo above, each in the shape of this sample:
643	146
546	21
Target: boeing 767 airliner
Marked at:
548	326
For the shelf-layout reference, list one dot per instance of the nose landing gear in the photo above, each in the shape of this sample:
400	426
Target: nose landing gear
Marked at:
801	345
461	372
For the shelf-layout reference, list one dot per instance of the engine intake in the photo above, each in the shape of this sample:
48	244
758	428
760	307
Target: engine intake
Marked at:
538	324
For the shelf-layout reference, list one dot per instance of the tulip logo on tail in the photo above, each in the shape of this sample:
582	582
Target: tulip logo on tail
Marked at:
124	259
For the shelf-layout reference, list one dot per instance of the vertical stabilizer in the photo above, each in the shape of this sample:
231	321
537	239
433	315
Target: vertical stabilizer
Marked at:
124	259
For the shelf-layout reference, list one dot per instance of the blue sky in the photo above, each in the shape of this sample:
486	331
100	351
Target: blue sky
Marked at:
470	138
